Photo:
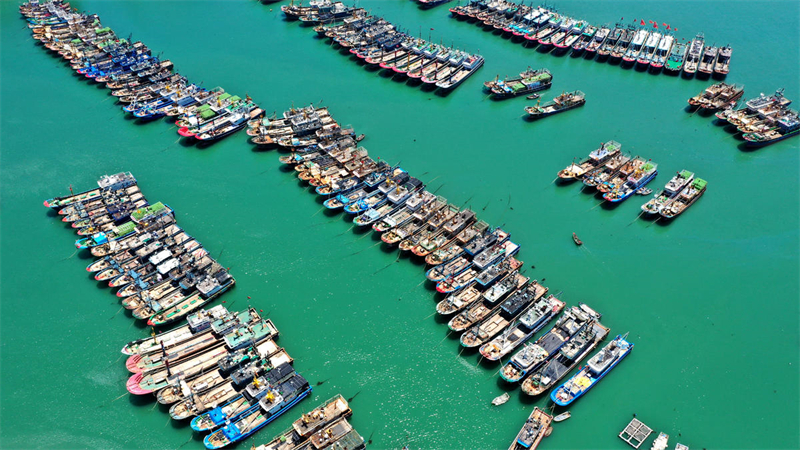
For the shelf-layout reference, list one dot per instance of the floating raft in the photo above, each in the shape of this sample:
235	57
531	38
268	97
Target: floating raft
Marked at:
635	433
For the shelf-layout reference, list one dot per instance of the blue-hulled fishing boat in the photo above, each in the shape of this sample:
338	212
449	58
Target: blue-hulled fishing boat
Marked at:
276	402
598	366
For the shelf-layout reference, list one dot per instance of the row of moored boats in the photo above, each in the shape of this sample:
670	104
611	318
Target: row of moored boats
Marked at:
221	370
638	44
485	294
380	44
144	85
161	273
762	120
618	176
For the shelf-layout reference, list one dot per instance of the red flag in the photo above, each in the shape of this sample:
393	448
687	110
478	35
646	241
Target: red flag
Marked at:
431	29
668	26
663	24
642	22
675	29
655	25
621	19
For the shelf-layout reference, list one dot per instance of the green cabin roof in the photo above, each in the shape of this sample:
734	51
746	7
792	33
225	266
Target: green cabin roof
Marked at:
646	167
141	213
125	228
685	174
224	96
207	113
102	30
235	98
699	184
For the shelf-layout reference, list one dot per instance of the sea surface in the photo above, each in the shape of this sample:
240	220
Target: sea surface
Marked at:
710	300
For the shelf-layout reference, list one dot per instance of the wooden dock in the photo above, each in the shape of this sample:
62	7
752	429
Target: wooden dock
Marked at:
635	433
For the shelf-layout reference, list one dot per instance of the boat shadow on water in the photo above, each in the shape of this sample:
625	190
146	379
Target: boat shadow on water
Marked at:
744	148
442	320
610	206
187	142
443	93
142	400
85	255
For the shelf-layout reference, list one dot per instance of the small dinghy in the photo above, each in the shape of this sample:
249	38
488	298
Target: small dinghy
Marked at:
562	417
575	238
644	191
360	137
532	97
499	400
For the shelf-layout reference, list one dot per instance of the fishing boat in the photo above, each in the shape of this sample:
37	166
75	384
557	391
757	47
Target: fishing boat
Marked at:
101	238
197	323
106	183
271	406
623	43
722	66
267	362
662	52
677	56
717	96
498	270
661	442
582	40
670	192
460	73
595	160
613	172
406	214
536	428
485	240
449	269
576	240
531	80
684	199
337	435
636	47
693	55
533	356
180	351
504	287
568	357
458	300
512	308
330	411
495	253
595	369
649	49
459	281
563	102
637	179
209	285
708	61
604	50
529	323
247	398
598	41
786	127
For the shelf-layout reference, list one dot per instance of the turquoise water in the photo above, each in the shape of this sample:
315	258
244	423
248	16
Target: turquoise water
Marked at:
710	300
